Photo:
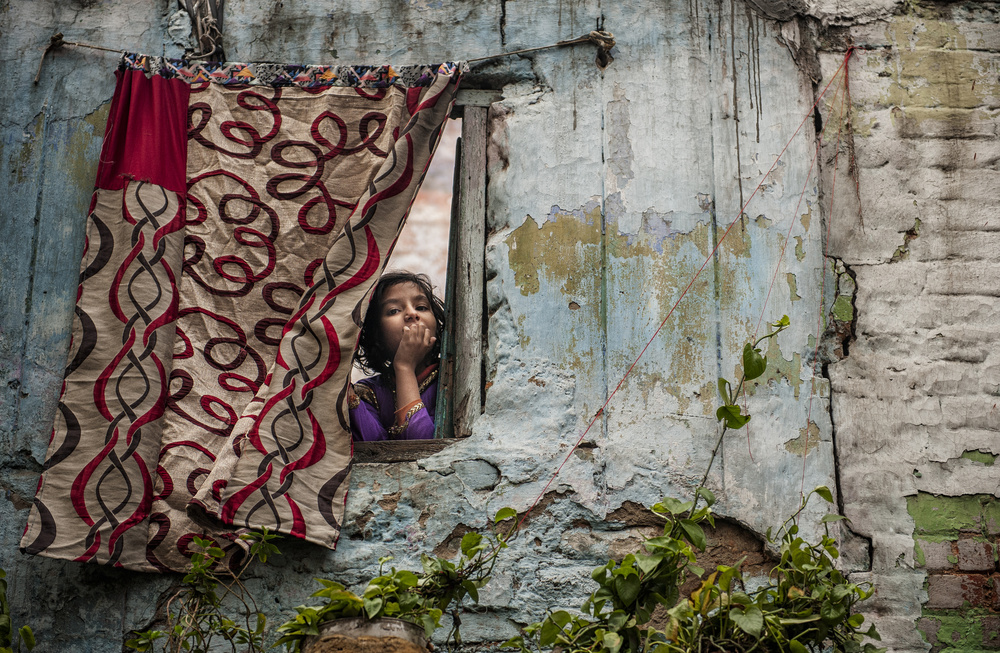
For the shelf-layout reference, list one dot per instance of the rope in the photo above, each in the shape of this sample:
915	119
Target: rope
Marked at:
56	41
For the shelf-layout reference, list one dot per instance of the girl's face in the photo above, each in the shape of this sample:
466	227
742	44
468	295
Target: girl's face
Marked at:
404	305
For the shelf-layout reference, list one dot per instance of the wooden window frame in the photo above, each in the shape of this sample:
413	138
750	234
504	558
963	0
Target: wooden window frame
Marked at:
460	384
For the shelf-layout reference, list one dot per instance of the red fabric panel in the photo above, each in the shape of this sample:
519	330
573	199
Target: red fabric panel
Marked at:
146	136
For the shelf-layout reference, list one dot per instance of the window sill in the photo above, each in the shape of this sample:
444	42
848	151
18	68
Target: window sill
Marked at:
398	451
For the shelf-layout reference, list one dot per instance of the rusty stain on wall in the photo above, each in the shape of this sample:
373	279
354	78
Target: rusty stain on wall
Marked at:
564	249
808	440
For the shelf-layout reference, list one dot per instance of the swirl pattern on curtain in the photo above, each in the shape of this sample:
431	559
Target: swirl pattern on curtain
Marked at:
241	216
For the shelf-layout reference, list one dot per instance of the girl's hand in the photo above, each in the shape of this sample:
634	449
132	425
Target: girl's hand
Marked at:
416	343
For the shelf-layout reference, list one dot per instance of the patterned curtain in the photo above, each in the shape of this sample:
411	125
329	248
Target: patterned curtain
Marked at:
241	216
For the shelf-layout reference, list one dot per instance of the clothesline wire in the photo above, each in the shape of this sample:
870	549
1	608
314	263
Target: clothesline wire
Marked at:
603	40
670	313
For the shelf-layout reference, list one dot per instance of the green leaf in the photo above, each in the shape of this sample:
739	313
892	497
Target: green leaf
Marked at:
753	363
724	391
550	630
740	598
839	593
429	623
27	636
504	513
824	492
830	517
782	323
732	416
613	641
799	620
469	542
647	563
832	612
707	495
406	578
750	619
373	606
795	646
627	588
855	620
726	577
671	505
694	533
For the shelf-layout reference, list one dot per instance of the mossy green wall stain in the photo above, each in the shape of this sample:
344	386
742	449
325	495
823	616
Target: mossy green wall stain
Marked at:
24	164
79	163
658	269
938	518
800	252
960	630
704	395
842	309
807	441
564	249
983	457
778	368
931	66
793	287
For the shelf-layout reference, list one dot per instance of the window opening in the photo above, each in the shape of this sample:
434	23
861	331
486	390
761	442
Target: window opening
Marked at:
454	258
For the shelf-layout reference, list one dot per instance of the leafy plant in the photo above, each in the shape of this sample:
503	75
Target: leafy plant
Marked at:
806	605
11	639
418	597
613	617
196	614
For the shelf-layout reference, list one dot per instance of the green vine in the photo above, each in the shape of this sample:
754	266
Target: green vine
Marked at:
11	638
197	617
420	597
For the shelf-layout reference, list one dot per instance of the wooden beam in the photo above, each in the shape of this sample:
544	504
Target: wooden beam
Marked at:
469	283
476	97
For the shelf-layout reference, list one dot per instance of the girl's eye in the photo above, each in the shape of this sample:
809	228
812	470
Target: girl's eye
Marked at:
392	311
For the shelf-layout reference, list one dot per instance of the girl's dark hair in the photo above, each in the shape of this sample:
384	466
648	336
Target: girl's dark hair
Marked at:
372	355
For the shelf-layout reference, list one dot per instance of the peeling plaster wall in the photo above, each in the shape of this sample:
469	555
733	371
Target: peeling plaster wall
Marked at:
606	192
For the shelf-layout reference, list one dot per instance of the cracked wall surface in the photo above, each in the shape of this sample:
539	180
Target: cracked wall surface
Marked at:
915	402
606	194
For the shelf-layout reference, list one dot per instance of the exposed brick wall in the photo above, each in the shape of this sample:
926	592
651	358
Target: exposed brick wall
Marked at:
956	541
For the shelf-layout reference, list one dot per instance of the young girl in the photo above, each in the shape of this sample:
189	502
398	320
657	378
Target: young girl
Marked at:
399	340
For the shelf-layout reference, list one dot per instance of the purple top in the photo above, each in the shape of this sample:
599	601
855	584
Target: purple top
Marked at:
373	411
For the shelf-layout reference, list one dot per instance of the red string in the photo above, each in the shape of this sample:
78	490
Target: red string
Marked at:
600	411
781	257
826	258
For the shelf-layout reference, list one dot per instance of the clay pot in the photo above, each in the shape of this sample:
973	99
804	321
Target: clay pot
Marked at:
358	635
